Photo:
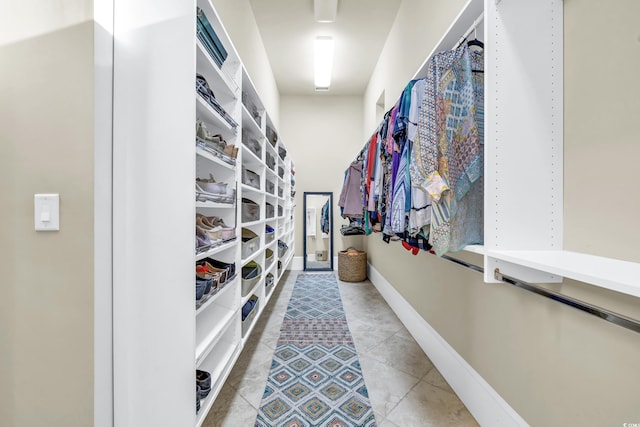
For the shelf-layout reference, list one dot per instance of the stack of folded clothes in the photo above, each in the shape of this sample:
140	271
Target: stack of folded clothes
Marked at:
210	40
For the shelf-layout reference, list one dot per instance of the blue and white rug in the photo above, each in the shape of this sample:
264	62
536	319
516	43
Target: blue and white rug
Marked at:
315	377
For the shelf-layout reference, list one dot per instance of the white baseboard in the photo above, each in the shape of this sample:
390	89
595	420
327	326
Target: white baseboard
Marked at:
297	263
484	403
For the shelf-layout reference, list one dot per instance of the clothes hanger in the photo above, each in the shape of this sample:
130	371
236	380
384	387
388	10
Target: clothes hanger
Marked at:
475	41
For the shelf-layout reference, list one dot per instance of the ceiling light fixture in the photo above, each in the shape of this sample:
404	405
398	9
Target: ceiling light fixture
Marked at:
325	10
323	62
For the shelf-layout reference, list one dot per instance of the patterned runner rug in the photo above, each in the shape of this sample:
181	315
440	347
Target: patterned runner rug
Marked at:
315	377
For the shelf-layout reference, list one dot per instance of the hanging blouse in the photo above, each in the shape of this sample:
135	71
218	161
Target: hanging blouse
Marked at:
351	195
447	159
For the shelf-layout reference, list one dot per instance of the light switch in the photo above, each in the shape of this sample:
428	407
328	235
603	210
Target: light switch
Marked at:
47	212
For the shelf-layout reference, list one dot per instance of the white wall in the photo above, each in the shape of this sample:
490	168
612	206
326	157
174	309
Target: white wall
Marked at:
554	365
46	146
323	134
602	140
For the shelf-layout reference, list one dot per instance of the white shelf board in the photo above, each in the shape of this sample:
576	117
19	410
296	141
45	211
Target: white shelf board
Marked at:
252	223
252	257
253	323
220	375
215	205
220	81
217	249
214	335
249	189
253	292
249	158
608	273
249	124
477	249
206	113
272	149
204	154
229	285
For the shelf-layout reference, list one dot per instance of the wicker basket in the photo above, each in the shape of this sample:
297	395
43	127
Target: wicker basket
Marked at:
352	265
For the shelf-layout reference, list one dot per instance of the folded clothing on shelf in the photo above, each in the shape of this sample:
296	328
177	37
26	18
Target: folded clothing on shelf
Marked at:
210	39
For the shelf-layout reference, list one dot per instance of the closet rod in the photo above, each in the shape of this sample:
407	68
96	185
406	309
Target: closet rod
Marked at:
473	26
594	310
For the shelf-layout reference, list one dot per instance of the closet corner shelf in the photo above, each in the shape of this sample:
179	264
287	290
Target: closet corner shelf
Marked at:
204	154
249	189
608	273
204	348
217	249
221	82
227	286
215	205
206	113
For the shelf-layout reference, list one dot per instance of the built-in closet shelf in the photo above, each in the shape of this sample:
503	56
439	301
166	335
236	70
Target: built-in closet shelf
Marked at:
252	257
218	377
272	150
270	268
230	284
476	249
250	191
249	159
252	223
215	205
253	321
608	273
254	291
207	114
249	123
220	83
214	335
225	246
218	161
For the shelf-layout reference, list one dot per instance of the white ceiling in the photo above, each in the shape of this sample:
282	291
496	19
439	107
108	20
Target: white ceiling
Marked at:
288	29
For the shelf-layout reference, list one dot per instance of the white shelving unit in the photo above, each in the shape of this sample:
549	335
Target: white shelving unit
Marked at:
523	204
220	332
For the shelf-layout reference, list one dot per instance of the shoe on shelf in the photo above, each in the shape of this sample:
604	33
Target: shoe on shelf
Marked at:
203	381
203	242
227	233
210	185
213	232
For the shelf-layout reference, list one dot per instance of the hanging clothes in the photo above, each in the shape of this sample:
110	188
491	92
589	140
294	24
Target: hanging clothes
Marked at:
324	218
447	159
351	195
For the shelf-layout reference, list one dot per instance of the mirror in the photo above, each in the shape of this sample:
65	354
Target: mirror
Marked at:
318	231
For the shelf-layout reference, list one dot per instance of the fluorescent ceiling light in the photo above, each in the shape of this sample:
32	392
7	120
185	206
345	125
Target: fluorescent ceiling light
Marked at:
325	10
323	62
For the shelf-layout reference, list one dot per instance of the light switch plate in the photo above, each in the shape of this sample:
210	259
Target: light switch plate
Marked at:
47	212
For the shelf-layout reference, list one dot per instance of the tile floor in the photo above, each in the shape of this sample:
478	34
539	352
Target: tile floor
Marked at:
404	387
